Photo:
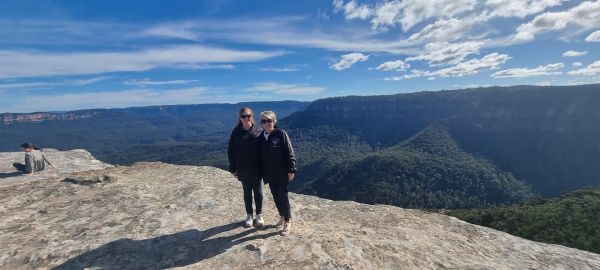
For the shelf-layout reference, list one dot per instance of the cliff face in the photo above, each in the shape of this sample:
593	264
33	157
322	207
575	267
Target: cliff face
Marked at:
11	118
156	215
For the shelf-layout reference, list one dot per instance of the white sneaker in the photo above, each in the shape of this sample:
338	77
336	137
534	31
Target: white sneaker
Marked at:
280	222
259	220
248	222
287	227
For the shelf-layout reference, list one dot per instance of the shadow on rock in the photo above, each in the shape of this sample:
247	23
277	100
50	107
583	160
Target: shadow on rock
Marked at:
10	174
173	250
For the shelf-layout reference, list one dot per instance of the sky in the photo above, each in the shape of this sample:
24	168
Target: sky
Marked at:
70	55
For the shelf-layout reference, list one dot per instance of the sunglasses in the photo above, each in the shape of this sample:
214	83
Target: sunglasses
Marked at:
264	121
246	116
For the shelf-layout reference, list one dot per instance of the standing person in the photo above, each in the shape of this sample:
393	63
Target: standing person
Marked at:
278	164
244	163
34	160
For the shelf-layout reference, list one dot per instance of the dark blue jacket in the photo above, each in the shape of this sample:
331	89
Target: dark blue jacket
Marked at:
277	157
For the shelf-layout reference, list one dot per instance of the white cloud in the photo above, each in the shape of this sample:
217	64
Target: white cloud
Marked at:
107	99
549	69
573	53
28	64
470	67
586	15
348	60
593	37
182	31
444	30
42	85
473	66
517	8
352	10
397	65
286	89
591	70
577	64
146	82
281	69
440	53
543	83
409	13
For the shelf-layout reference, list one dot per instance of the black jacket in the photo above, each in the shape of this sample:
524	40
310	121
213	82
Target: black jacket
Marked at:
277	157
243	153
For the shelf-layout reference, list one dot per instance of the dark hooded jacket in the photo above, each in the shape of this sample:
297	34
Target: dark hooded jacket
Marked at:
243	153
277	157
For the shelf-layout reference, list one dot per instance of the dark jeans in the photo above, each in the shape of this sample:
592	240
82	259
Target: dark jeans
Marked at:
20	167
282	201
251	186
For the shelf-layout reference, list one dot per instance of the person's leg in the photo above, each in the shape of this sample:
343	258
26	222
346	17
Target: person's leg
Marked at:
20	167
247	185
258	195
274	191
284	200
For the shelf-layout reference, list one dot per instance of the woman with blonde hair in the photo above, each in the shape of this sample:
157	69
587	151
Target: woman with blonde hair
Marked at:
244	164
278	165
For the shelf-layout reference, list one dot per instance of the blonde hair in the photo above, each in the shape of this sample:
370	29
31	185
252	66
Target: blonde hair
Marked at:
269	115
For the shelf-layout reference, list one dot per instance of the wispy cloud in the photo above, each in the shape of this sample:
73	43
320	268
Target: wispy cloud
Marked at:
46	84
573	53
106	99
585	15
286	89
440	53
352	10
348	60
549	69
29	64
591	70
593	37
397	65
470	67
146	82
279	69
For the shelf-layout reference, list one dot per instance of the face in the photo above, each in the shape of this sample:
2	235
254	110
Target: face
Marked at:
27	149
245	117
267	123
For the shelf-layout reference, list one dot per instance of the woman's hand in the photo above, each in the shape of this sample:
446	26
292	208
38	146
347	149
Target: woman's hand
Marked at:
290	177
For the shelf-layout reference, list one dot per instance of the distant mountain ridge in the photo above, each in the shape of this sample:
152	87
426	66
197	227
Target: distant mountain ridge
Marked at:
545	137
113	134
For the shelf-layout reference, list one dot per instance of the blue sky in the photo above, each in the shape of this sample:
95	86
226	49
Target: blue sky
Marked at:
68	55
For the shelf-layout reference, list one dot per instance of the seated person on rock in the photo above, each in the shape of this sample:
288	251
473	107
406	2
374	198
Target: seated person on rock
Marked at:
34	160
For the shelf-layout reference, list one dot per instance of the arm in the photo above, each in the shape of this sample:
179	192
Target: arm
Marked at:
28	164
231	155
48	161
290	156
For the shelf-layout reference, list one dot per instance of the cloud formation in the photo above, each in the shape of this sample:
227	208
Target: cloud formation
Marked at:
30	64
397	65
549	69
348	60
286	89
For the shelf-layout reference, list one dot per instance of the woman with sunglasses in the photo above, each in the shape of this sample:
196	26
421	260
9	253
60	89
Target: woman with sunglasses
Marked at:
244	163
278	165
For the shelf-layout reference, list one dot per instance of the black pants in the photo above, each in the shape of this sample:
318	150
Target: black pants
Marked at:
279	190
253	186
20	167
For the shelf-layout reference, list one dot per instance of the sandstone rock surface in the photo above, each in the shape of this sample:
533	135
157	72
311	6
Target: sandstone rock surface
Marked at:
156	215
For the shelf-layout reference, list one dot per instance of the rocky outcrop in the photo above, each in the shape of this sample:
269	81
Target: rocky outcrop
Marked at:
11	118
156	215
66	162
